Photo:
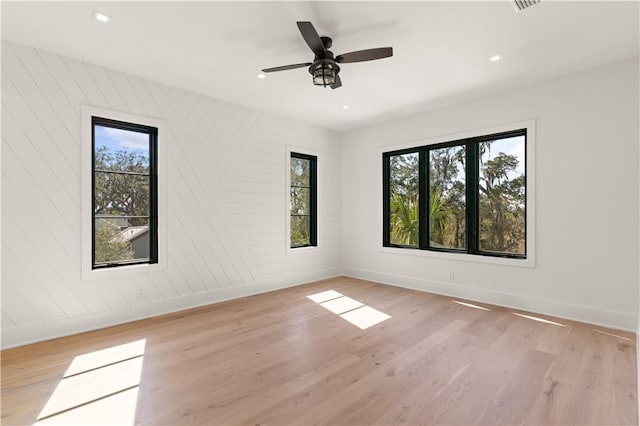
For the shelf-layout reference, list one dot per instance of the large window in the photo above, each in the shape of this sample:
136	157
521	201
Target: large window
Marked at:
303	201
124	193
466	196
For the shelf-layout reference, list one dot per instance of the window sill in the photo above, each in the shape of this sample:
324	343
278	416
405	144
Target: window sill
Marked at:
460	257
292	251
119	271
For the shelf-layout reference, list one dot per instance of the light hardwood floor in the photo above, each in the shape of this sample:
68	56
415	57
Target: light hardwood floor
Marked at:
281	358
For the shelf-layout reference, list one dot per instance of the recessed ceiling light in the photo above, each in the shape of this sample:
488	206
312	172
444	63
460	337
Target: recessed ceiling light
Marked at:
495	58
261	76
345	106
100	16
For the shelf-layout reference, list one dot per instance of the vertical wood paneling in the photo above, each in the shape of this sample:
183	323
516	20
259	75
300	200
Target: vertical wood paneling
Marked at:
226	172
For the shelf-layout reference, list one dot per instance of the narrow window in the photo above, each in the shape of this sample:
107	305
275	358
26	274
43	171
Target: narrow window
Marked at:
125	202
403	199
447	199
303	205
501	196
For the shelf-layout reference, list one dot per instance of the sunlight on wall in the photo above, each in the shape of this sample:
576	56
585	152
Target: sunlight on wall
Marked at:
358	314
98	388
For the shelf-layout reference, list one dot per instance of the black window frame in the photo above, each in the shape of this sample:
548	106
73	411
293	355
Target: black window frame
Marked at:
153	190
472	177
313	199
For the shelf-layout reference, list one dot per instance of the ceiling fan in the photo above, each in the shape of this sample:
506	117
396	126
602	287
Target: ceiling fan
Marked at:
324	68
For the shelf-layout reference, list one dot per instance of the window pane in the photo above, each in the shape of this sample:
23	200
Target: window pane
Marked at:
502	196
300	201
121	194
447	200
403	185
300	231
121	239
300	172
121	150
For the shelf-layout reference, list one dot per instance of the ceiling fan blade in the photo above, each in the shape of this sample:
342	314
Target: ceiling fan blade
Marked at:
286	67
312	38
338	83
365	55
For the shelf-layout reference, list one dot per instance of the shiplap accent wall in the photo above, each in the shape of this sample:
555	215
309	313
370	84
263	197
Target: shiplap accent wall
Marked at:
226	199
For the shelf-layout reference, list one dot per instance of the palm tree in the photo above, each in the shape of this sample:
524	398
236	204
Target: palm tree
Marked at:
404	221
437	216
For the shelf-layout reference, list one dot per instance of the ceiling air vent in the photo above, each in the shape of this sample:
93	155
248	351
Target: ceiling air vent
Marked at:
523	4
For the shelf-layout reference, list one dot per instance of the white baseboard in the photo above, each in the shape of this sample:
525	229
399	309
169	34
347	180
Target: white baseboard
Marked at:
33	333
586	314
638	361
38	332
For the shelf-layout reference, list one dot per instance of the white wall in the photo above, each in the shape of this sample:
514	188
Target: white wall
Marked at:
226	199
586	160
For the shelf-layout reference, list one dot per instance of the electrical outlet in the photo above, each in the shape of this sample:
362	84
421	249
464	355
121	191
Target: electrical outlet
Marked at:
452	275
139	291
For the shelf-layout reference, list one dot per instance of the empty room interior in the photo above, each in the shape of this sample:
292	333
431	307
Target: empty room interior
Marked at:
363	213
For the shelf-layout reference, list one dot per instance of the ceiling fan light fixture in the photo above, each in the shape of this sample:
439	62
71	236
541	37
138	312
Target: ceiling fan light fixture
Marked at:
324	69
324	73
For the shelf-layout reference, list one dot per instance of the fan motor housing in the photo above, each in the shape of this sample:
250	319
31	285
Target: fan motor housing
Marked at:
327	42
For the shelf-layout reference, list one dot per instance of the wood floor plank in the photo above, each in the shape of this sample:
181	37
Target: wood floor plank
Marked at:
281	358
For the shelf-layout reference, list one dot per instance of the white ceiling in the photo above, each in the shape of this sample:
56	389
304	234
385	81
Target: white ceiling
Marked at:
441	49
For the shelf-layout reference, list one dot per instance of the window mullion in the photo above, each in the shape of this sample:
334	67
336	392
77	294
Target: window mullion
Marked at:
313	202
423	198
386	198
153	196
472	173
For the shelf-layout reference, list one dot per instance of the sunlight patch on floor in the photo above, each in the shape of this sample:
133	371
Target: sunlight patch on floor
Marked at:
341	305
100	387
118	409
104	357
538	319
357	313
470	305
324	296
364	317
